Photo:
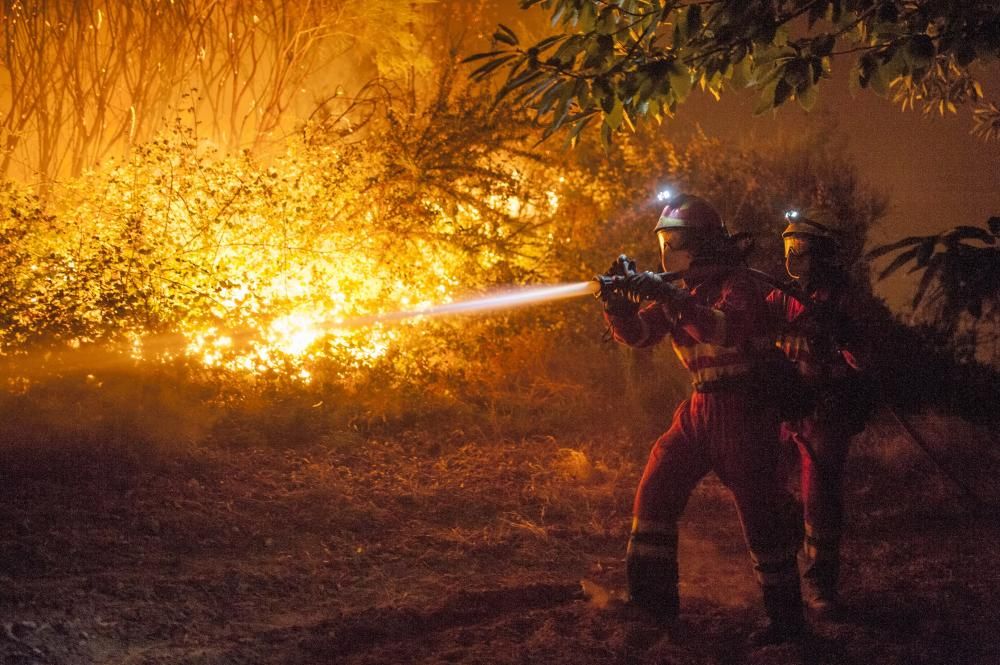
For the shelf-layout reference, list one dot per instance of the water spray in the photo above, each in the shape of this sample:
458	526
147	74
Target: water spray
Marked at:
601	287
507	299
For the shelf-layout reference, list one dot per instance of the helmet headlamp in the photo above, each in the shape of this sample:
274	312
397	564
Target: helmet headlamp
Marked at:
664	195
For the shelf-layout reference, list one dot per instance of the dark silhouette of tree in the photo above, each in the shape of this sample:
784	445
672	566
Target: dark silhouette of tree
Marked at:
614	61
959	291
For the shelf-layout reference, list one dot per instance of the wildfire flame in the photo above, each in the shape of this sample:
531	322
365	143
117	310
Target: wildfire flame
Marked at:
296	336
319	308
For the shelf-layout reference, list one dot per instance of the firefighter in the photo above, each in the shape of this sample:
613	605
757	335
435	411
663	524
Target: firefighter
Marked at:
717	319
820	332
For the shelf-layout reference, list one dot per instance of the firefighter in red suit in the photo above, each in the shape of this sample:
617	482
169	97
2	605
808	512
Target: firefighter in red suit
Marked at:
820	332
718	322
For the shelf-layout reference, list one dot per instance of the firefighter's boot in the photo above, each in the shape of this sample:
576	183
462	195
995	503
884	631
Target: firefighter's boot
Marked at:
820	563
652	578
786	623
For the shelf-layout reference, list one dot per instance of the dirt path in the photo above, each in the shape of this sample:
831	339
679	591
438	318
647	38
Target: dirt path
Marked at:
411	551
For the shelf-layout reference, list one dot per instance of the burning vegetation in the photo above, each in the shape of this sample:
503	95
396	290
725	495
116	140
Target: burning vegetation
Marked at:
254	271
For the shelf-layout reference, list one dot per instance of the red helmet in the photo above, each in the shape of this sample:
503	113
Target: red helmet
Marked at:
690	212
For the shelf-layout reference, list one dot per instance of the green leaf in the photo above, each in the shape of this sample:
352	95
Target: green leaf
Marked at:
895	66
603	94
765	32
766	101
646	86
818	68
562	109
503	39
587	17
867	67
822	45
577	120
550	95
568	50
878	83
680	26
773	54
742	72
797	73
606	136
556	15
693	20
548	42
583	97
780	37
680	81
483	70
580	122
480	56
598	51
919	51
607	19
614	118
505	35
782	92
522	79
807	97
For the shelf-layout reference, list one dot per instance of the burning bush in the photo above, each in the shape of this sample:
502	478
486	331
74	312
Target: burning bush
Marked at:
240	271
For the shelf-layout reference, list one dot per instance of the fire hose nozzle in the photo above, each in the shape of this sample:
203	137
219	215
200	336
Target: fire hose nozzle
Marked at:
605	286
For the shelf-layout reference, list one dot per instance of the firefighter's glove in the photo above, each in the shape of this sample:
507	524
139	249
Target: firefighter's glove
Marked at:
617	302
651	286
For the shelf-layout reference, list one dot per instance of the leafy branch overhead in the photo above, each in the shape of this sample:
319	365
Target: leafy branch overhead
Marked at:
613	61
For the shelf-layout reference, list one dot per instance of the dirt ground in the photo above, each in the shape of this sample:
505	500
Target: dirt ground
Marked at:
444	550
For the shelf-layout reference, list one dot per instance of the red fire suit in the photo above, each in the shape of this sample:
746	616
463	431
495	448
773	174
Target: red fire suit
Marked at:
820	336
723	427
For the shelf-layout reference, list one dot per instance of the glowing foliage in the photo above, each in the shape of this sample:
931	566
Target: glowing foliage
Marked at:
244	266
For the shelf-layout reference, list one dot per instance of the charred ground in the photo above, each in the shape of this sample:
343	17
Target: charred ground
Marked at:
431	549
